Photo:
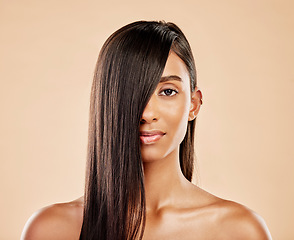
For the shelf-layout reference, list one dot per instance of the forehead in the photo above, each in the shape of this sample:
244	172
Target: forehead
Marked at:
176	67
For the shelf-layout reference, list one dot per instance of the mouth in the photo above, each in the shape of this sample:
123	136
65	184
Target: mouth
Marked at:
148	137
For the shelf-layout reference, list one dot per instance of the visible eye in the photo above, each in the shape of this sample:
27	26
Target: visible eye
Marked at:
168	92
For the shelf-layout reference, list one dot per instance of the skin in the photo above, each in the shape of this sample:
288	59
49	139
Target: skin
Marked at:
175	208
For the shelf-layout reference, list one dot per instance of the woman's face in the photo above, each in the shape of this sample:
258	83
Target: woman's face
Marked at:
165	118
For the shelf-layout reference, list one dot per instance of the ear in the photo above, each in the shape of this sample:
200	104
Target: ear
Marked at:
196	102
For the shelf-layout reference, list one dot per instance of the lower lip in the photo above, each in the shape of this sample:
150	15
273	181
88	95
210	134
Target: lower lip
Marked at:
150	138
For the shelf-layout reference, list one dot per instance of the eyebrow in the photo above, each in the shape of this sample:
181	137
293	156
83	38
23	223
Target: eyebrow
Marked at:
171	78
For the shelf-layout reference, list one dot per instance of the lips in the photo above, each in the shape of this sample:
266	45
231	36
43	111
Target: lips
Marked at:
148	137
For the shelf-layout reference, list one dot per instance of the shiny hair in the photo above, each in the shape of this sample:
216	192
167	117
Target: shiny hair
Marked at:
129	68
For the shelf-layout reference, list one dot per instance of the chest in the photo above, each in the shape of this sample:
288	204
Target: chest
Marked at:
179	226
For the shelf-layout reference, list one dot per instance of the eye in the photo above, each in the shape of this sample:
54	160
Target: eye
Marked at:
168	92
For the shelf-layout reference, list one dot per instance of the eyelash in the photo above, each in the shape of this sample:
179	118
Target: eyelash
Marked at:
174	92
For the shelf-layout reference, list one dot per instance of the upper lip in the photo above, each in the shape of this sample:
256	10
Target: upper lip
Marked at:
151	133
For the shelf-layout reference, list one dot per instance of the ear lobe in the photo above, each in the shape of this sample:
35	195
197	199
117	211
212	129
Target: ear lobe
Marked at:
196	102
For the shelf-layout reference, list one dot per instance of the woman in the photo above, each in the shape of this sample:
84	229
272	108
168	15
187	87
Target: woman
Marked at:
144	103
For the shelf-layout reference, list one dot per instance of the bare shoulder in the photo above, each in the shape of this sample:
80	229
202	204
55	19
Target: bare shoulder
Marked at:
235	221
57	221
217	218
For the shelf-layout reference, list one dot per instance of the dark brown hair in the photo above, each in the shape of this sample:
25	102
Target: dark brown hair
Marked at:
129	67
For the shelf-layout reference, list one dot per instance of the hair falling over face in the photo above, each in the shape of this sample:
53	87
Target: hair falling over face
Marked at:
129	67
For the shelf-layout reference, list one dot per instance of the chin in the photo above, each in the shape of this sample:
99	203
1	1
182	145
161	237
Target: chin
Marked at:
150	154
151	158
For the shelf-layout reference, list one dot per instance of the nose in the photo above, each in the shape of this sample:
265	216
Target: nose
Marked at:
150	113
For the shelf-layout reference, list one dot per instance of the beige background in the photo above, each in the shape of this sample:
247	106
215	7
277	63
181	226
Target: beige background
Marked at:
244	54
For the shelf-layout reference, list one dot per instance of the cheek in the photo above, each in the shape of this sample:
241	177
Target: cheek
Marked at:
181	129
177	118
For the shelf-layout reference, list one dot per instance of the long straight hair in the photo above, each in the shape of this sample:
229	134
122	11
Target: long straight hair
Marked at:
129	67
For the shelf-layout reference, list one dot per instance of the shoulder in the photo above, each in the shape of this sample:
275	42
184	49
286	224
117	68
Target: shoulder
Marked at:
235	221
57	221
224	219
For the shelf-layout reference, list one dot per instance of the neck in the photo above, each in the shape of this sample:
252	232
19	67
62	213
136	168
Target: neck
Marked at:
164	181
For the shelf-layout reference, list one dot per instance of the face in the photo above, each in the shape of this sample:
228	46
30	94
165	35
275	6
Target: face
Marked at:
165	118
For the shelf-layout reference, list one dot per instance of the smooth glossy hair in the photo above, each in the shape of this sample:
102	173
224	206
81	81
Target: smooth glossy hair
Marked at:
129	68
